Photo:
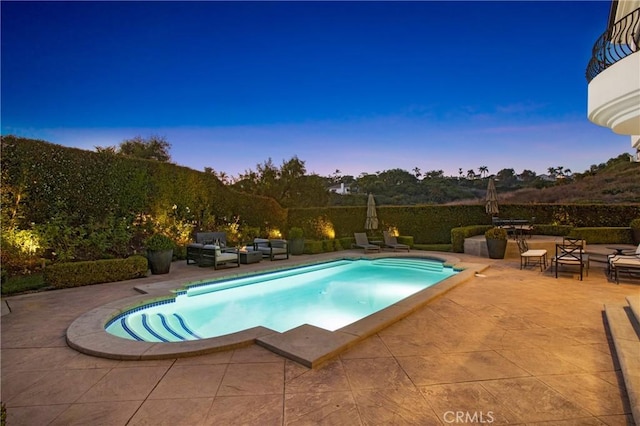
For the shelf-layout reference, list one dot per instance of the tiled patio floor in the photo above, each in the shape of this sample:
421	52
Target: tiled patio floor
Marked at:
511	346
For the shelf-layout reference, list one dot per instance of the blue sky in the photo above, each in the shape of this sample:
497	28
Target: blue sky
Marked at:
353	86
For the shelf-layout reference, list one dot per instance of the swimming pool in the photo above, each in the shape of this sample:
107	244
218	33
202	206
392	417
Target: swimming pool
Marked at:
330	296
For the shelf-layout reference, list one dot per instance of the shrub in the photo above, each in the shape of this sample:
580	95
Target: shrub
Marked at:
159	242
635	224
346	242
296	233
496	233
459	234
327	246
77	274
405	239
312	247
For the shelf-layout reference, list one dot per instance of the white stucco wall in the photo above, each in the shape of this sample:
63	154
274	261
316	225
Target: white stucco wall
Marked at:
614	97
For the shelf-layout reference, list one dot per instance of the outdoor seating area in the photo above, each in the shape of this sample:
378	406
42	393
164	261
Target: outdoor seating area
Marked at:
210	249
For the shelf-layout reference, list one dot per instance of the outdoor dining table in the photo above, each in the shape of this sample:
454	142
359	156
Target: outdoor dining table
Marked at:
618	249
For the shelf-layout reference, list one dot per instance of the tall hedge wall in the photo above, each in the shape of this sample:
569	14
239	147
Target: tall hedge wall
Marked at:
45	179
432	224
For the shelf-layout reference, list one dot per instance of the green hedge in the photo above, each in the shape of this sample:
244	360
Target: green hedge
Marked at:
406	239
459	234
77	274
432	224
555	230
601	235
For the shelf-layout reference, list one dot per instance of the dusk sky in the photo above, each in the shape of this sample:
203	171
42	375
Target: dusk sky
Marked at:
353	86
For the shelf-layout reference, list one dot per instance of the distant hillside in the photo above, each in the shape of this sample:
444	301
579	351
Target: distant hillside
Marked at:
616	182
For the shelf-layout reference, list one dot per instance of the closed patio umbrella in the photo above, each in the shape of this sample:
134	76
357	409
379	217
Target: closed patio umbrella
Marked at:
491	204
372	217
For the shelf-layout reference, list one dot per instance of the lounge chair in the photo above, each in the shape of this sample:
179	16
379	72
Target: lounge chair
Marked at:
392	242
271	248
363	242
624	261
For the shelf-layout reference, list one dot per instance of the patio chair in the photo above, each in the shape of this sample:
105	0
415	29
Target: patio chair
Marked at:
213	255
527	255
363	242
194	250
271	248
571	255
392	242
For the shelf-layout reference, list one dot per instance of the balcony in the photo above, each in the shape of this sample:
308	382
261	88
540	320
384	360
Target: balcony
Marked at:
613	75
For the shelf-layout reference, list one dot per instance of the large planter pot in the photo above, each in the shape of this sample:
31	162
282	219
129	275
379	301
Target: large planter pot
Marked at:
496	248
296	246
160	261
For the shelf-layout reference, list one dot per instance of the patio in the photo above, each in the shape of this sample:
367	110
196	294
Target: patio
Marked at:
507	346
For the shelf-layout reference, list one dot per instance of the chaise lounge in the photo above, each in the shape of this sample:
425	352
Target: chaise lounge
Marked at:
363	242
392	242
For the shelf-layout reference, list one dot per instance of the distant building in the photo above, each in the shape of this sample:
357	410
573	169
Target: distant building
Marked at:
340	189
613	73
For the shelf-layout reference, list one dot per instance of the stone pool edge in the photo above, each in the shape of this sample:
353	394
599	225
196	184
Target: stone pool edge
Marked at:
307	345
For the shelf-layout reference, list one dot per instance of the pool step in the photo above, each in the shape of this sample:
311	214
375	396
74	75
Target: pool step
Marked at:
156	328
624	324
425	265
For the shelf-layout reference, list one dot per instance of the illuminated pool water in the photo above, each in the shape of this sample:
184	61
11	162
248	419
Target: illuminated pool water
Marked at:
329	295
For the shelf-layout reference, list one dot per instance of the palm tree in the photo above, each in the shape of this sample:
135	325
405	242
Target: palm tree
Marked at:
460	173
416	171
484	170
471	174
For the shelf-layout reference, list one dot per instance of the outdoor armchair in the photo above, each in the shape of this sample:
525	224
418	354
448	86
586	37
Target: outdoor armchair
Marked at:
271	248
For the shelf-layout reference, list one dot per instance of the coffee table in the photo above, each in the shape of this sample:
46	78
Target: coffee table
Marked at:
247	257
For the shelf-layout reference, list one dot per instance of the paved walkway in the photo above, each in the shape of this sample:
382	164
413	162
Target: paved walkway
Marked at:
509	346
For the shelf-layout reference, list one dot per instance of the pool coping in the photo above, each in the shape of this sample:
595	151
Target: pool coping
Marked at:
308	345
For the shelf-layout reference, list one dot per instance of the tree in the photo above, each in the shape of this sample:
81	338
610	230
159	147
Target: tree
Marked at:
152	148
416	172
484	170
506	177
527	175
288	185
471	174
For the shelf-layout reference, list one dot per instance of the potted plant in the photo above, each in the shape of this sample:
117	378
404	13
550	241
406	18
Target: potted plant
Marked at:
296	241
159	253
635	229
496	242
